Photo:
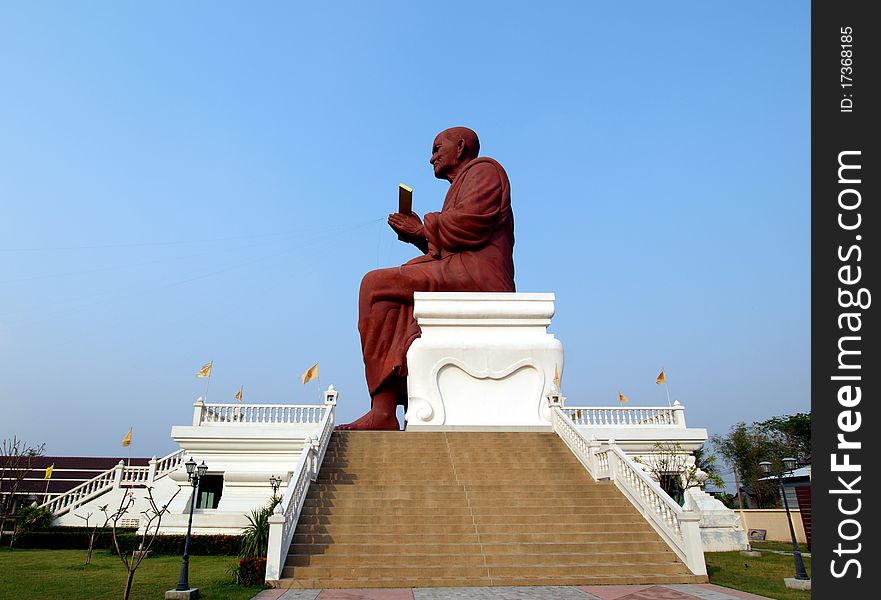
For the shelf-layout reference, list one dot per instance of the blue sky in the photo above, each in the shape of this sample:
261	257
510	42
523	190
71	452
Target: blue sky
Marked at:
209	181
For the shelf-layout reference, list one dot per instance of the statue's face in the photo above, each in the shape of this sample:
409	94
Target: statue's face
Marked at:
444	156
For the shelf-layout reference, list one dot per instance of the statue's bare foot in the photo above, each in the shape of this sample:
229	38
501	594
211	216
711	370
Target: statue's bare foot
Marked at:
374	420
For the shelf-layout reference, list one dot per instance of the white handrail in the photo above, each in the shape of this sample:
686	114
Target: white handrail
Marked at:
283	521
111	479
258	414
679	528
627	416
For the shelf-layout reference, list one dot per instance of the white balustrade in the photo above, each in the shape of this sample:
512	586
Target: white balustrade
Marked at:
623	416
679	528
257	414
110	479
283	521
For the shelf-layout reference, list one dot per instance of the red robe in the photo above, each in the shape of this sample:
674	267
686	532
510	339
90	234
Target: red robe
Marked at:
470	249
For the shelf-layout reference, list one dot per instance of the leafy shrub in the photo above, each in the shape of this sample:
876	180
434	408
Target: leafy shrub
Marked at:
255	537
33	518
250	571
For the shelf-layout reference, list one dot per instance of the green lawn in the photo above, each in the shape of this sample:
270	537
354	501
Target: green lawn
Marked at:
761	575
54	574
783	546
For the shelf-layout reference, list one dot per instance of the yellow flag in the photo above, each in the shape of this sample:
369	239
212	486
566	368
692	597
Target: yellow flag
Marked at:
239	394
49	470
205	371
556	378
310	374
622	398
661	378
127	440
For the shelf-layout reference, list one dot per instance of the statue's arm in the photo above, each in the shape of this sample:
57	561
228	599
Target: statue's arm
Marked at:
470	222
421	243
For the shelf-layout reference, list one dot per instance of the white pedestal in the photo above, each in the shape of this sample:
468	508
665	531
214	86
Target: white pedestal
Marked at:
485	360
721	528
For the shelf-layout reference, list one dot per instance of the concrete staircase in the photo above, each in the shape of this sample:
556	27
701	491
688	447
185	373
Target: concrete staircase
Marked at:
398	509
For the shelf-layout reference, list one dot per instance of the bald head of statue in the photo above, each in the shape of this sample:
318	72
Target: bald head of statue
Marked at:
451	150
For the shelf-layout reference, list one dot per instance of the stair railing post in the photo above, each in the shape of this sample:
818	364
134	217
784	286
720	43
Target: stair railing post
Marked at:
678	414
151	470
613	461
198	410
117	476
274	550
311	463
689	525
592	446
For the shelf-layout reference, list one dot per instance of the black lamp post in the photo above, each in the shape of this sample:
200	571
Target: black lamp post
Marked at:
788	465
194	475
275	482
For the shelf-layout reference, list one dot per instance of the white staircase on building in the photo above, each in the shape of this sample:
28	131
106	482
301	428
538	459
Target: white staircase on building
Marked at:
112	479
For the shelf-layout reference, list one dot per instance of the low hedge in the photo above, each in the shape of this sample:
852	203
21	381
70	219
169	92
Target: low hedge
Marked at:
77	538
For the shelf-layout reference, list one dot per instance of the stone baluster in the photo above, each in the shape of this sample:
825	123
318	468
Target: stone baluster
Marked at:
151	471
678	414
198	409
117	475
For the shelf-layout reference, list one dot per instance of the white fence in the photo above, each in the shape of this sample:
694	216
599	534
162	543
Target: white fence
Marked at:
257	414
113	478
283	522
679	528
620	416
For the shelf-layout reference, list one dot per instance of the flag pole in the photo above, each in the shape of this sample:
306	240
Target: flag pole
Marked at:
131	430
208	382
666	387
46	493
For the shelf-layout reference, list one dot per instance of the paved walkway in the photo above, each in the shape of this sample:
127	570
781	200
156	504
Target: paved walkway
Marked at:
605	592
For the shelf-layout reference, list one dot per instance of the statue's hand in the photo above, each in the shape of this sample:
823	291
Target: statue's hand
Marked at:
409	226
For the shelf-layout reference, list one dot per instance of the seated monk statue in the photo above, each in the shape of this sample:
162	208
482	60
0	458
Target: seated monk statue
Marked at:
467	247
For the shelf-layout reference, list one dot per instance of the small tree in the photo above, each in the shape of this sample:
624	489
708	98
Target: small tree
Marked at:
16	459
790	435
154	518
95	532
744	447
671	466
706	462
31	518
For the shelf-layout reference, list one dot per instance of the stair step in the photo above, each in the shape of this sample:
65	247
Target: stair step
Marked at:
468	571
515	548
612	514
596	579
466	559
619	524
446	537
471	505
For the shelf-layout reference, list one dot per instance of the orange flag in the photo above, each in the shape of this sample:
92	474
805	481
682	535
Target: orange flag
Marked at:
622	398
310	374
661	378
205	371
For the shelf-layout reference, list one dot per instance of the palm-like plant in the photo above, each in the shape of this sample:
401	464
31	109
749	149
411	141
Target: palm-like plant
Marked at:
255	537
